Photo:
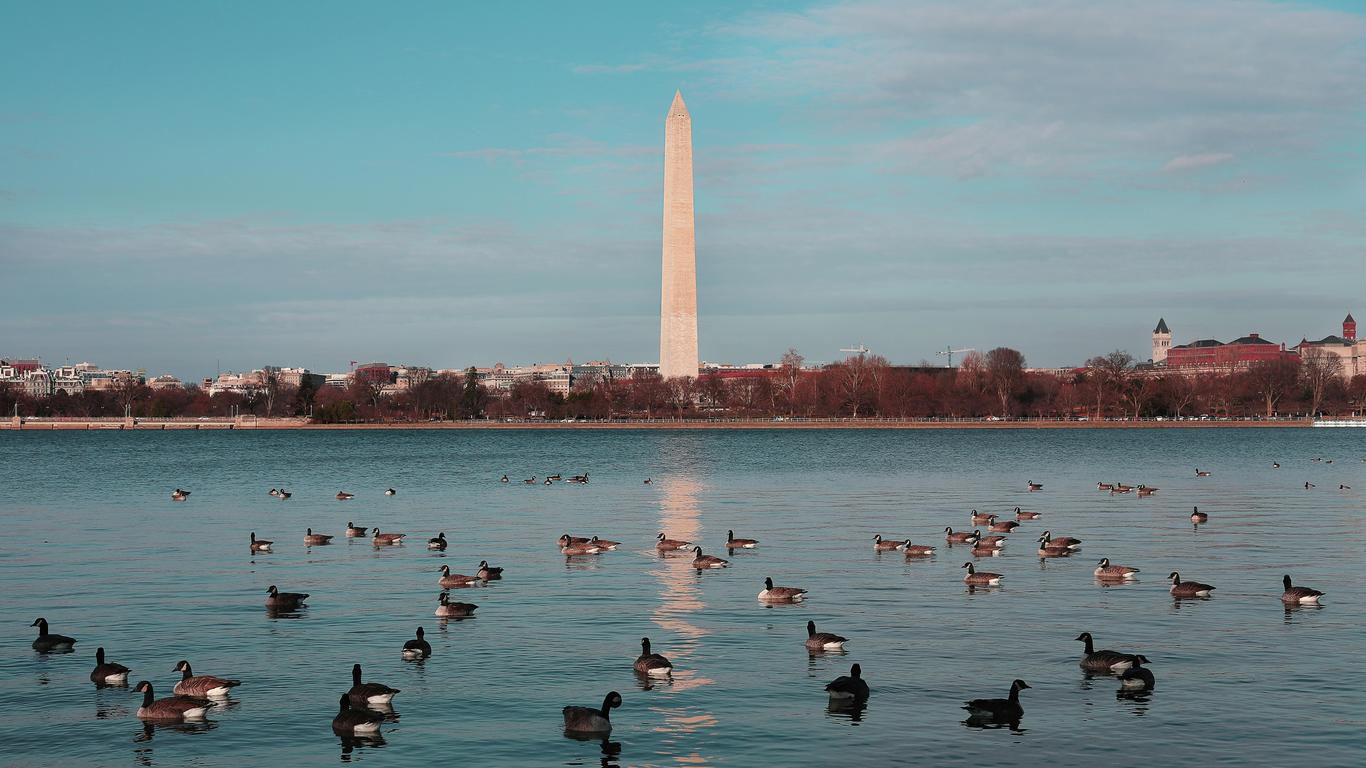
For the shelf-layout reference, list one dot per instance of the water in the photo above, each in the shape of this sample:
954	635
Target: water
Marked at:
95	545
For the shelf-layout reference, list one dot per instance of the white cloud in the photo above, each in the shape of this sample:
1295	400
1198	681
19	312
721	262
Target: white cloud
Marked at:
1192	162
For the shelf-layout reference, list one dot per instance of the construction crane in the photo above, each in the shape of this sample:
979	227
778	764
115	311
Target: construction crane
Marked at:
860	350
949	352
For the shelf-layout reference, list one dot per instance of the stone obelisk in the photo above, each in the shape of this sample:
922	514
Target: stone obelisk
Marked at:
678	301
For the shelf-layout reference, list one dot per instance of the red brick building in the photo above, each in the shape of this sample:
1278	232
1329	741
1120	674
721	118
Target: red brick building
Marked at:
1216	355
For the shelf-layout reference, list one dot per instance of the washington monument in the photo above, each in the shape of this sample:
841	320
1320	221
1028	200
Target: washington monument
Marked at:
678	302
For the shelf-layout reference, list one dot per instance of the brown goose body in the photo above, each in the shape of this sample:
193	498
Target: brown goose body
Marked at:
590	720
386	539
772	594
981	518
171	708
1105	486
1108	572
1033	486
567	541
418	647
822	641
48	641
1299	595
1137	677
450	580
344	496
1181	588
448	610
1048	540
980	578
284	600
734	543
884	545
993	542
580	549
366	694
665	544
702	562
107	672
351	721
1104	660
1198	517
488	572
312	539
652	664
959	537
1002	710
604	543
916	550
1005	526
201	686
354	531
851	687
259	545
1026	515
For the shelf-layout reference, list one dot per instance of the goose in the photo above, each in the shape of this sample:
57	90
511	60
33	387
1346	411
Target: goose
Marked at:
418	647
259	545
284	600
530	480
664	544
283	495
391	492
1048	550
386	539
881	545
567	540
201	686
273	492
311	538
1026	515
1275	465
1103	660
448	610
1005	526
1122	488
988	542
1344	487
344	496
437	543
652	664
848	688
648	481
1106	571
1047	539
580	549
1033	486
107	672
179	495
1137	677
961	537
985	550
548	481
364	694
488	572
350	721
1198	517
555	477
504	479
1105	486
603	543
1000	709
916	550
590	720
1199	473
1188	588
822	641
774	594
1309	485
449	579
702	562
1301	595
1144	490
981	518
980	577
579	478
171	707
734	543
354	531
50	642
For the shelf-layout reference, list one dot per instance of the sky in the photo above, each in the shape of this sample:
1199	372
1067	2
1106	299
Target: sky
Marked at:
189	187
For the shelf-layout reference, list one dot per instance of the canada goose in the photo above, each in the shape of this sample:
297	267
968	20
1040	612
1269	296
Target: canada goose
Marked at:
350	721
1275	465
259	545
179	495
284	600
1188	588
1007	709
171	707
1122	488
734	543
774	594
579	478
1137	677
530	480
664	544
273	492
504	479
1005	526
364	694
985	550
1197	516
438	542
448	610
981	518
555	477
980	577
1309	485
848	688
1199	473
1111	572
589	720
567	540
418	647
488	572
1046	538
343	496
1102	660
962	537
201	686
702	562
580	549
883	545
284	494
1301	595
50	642
916	550
1105	486
1144	491
822	641
1344	487
548	481
449	580
107	672
652	664
313	539
988	542
1049	550
648	481
386	539
391	492
1026	515
603	543
354	531
1033	486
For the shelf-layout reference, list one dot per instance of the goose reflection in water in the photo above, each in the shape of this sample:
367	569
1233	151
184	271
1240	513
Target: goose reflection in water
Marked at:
150	728
350	744
1140	701
850	709
611	750
988	722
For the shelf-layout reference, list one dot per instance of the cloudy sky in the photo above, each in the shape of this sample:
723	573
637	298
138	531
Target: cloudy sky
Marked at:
186	186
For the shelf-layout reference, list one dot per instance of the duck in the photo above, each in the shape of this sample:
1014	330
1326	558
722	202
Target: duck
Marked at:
665	544
981	518
961	537
916	550
107	672
488	572
702	562
418	647
201	686
1137	677
365	694
354	531
980	577
391	492
1103	660
1026	515
50	642
1033	486
1047	539
314	539
1005	526
448	610
171	707
734	543
1300	595
438	542
1188	588
344	496
1198	517
179	495
504	479
823	641
774	594
284	600
449	580
603	543
849	687
1201	473
652	664
1007	709
882	545
351	721
590	720
386	539
259	545
1106	571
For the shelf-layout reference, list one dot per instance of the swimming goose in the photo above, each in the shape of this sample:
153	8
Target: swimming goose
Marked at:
284	600
259	545
822	641
1048	550
363	694
312	539
504	479
985	550
1301	595
1122	488
702	562
1000	709
774	594
664	544
1033	486
580	549
1103	660
273	492
1005	526
1026	515
283	494
386	539
579	478
343	496
530	480
50	642
107	673
354	531
981	518
391	492
648	481
171	707
881	545
1198	517
734	543
1188	588
201	686
350	721
179	495
1275	465
652	664
567	540
1309	485
590	720
438	542
548	481
980	577
1107	571
488	572
1137	677
603	543
916	550
848	688
988	542
1047	539
1105	486
418	647
1144	490
962	537
555	477
1199	473
449	579
448	610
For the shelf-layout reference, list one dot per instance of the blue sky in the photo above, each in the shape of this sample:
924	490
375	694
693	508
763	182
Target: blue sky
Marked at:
191	185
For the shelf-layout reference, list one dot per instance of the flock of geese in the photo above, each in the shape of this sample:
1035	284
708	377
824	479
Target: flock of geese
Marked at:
362	708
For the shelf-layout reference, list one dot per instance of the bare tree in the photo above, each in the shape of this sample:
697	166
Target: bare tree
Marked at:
1271	379
1108	374
1137	392
853	373
270	390
1005	369
1181	391
789	375
1319	368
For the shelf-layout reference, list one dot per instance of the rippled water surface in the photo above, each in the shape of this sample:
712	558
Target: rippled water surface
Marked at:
93	543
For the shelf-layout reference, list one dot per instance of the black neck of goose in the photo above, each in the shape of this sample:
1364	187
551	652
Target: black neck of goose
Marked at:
1089	648
147	696
355	675
1286	581
1014	692
345	703
185	673
606	711
99	656
730	535
810	629
42	629
645	646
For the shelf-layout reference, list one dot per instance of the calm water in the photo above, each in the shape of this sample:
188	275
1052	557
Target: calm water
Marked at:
95	545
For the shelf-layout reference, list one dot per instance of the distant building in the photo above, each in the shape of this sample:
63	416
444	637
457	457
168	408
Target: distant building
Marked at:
165	381
1216	356
1162	342
1350	350
374	373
